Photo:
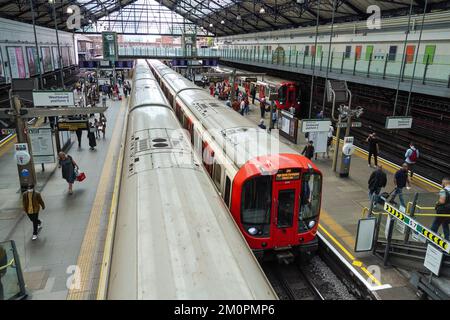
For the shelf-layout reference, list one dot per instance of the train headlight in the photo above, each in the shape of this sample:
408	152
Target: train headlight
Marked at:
253	231
311	224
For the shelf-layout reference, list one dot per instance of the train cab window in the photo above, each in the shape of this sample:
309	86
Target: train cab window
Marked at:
309	202
227	191
217	174
256	200
286	202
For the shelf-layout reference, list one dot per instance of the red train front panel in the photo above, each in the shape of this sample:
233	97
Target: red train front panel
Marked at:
280	208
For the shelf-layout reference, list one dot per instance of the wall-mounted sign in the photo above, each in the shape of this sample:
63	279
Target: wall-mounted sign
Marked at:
354	125
314	125
398	122
53	98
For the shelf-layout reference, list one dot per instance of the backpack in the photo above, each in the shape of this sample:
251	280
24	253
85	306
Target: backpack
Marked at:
413	156
444	208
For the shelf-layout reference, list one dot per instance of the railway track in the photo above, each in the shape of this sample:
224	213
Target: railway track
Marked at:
313	280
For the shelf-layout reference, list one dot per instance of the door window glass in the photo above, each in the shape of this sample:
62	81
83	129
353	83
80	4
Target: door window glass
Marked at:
310	197
286	201
256	200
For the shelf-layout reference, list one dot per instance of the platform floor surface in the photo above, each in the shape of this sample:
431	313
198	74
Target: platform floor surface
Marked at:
50	263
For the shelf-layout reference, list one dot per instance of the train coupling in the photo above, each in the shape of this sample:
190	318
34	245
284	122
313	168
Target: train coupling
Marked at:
285	257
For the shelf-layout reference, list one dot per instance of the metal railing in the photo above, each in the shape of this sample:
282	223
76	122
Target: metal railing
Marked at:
428	69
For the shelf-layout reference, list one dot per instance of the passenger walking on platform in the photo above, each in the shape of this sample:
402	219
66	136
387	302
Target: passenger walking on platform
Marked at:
330	139
3	262
443	207
308	150
253	93
262	107
32	203
79	133
67	165
274	117
246	105
411	156
97	128
103	124
372	139
376	181
91	136
242	107
401	180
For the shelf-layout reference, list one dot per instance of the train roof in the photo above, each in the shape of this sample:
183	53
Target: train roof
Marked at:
242	139
174	237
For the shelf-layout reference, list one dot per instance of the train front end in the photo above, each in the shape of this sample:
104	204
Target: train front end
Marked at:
276	202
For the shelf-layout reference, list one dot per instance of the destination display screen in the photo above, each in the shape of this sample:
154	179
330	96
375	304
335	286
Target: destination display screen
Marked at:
287	174
73	125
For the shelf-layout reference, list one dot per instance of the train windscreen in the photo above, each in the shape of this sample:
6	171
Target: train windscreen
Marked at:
310	195
256	200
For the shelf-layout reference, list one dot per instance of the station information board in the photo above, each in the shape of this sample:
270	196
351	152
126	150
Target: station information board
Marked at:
42	145
110	48
417	227
315	125
287	174
398	122
53	98
73	125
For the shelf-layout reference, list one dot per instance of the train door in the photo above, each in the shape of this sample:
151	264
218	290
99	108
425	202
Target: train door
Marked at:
284	224
291	96
208	158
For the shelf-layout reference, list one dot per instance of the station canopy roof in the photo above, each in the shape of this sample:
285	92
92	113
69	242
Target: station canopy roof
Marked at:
206	17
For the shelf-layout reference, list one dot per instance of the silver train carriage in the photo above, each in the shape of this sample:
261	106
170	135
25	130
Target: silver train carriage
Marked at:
174	237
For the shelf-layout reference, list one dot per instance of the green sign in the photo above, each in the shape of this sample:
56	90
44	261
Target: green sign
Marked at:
110	48
417	227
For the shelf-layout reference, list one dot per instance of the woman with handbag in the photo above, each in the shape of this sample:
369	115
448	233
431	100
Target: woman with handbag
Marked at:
68	166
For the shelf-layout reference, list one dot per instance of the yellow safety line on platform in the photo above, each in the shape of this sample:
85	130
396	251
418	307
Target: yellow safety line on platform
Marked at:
107	250
5	144
87	252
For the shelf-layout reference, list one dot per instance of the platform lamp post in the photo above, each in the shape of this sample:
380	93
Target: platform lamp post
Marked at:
52	2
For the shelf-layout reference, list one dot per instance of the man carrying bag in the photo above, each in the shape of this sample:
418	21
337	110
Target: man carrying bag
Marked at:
443	207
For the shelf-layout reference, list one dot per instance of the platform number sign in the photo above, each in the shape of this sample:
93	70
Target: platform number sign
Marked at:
110	48
417	227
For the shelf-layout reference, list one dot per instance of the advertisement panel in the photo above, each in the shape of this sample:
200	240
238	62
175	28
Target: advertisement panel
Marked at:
46	59
55	57
16	62
42	145
33	61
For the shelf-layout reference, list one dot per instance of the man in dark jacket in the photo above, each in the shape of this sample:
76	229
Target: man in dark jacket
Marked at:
308	151
376	181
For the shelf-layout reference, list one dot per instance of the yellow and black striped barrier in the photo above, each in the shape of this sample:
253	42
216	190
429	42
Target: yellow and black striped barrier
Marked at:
417	227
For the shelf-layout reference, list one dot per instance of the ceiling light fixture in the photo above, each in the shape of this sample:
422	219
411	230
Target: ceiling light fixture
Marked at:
69	10
222	22
238	17
210	25
262	10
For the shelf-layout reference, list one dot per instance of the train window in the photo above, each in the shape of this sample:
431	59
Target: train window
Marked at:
227	191
428	57
306	51
348	52
256	200
217	174
310	197
286	201
282	93
392	53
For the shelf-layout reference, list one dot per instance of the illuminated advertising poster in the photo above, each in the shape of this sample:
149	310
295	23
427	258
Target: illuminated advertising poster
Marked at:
16	62
47	59
55	57
65	56
33	61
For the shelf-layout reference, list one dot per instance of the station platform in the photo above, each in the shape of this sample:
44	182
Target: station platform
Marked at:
64	262
343	204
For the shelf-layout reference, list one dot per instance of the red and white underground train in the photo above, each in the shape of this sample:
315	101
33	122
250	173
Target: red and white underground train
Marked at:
273	193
